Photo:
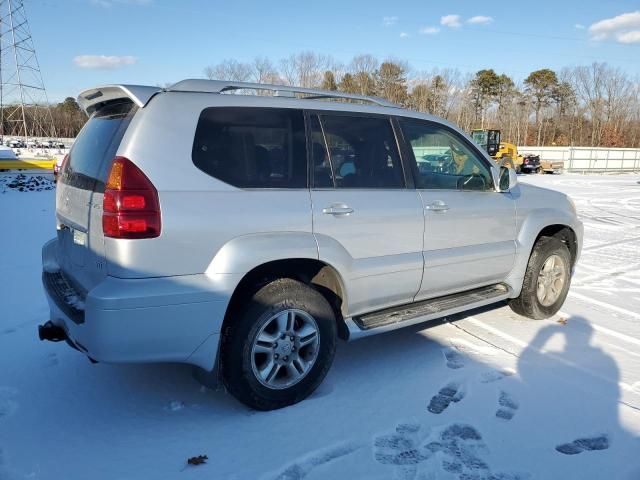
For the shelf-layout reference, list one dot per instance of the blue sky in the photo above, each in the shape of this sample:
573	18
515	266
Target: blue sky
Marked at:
160	41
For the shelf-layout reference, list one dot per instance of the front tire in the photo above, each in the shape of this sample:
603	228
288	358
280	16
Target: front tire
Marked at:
546	280
280	347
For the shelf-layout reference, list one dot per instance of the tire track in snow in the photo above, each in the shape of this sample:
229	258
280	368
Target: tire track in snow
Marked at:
612	333
302	467
616	214
609	244
609	306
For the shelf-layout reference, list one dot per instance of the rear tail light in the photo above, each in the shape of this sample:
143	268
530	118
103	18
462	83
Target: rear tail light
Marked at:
130	208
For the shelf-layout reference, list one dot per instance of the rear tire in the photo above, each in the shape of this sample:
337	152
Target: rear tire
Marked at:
278	350
546	280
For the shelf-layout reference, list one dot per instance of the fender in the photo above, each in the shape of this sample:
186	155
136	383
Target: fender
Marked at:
529	225
242	254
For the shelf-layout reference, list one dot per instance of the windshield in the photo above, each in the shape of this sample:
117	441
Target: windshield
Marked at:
480	137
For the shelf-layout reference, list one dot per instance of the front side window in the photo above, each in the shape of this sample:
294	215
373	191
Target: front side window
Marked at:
252	147
362	152
444	160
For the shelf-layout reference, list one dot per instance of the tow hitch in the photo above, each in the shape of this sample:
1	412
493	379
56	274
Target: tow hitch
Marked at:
51	332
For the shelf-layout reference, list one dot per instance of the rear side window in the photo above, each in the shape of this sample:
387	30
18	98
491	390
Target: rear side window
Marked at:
96	145
322	173
252	147
362	151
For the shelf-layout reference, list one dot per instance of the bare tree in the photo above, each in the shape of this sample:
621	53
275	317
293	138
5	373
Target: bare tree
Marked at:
264	71
305	69
229	69
364	63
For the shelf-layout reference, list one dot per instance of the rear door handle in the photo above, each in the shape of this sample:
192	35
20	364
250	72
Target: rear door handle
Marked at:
437	206
338	209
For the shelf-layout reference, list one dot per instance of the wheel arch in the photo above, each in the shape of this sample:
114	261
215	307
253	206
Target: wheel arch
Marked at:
318	274
565	234
537	225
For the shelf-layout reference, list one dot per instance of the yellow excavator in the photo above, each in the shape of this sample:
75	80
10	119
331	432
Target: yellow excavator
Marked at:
506	154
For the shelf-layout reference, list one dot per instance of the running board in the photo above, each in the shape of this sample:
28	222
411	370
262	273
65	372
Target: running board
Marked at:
412	313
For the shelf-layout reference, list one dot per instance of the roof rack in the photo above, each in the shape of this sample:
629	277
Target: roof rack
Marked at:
220	86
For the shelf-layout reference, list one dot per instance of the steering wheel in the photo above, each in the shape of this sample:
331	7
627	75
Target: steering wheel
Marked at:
471	176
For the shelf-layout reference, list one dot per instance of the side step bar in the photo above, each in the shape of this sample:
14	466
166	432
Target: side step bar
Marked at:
409	314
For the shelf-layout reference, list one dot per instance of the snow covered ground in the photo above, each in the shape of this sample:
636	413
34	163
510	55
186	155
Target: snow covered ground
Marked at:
482	395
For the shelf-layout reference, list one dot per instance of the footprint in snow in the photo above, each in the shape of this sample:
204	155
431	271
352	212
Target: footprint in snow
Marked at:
507	406
453	357
494	375
452	392
8	405
175	406
402	449
600	442
460	445
423	453
51	360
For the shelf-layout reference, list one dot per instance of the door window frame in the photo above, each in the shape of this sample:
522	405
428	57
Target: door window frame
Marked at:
407	175
413	163
260	107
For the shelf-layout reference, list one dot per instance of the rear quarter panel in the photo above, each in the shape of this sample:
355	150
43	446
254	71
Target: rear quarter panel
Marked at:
199	213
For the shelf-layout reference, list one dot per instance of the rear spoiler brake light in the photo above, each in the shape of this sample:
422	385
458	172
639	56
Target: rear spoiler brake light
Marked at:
90	99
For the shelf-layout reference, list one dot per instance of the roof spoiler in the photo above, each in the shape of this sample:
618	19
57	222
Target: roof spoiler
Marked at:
90	100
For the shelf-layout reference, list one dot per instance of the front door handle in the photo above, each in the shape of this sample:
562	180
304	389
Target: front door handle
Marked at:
437	206
338	209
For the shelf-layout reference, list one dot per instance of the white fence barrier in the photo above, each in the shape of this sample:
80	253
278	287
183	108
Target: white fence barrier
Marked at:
590	159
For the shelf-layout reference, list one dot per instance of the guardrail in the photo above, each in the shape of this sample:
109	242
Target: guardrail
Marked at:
27	164
590	159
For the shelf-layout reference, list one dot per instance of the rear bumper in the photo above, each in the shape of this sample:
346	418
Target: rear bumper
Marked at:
165	319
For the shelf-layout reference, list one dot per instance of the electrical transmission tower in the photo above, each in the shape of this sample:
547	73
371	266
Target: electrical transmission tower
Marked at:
24	106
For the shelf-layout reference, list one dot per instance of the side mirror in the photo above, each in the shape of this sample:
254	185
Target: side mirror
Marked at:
508	179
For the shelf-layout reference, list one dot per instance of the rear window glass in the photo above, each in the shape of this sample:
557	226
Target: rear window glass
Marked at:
252	147
98	141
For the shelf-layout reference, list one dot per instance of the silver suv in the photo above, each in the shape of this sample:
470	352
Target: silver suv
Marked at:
245	233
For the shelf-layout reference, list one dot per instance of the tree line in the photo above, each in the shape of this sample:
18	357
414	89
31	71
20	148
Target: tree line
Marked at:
593	105
67	118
